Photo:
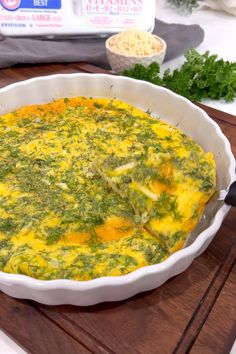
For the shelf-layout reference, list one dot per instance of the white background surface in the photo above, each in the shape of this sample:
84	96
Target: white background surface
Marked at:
220	38
220	34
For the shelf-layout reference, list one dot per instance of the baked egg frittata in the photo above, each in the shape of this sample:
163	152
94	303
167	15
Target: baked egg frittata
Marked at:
95	187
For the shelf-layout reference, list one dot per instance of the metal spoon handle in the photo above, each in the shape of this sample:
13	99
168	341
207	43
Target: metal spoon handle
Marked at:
230	197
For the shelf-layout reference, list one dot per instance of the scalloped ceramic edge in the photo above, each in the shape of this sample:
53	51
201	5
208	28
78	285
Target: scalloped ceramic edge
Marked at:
164	104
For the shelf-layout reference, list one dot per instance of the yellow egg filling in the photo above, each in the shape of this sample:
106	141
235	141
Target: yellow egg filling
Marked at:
95	187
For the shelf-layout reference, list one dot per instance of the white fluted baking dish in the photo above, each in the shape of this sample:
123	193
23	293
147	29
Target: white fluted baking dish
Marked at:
162	103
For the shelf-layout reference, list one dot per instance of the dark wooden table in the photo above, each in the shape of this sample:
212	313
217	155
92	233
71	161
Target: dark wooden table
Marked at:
194	312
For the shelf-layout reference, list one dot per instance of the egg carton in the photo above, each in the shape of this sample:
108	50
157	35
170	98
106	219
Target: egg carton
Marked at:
53	18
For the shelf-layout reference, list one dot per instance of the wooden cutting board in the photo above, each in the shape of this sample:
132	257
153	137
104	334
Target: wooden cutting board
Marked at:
194	312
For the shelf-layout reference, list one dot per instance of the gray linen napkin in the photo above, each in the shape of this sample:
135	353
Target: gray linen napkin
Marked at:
34	51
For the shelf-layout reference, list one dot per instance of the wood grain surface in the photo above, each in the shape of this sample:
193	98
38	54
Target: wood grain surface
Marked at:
194	312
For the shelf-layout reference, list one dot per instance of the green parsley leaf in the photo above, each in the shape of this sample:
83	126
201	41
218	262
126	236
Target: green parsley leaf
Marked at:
201	76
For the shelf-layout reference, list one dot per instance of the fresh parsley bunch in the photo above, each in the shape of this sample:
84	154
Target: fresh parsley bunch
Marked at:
201	76
184	5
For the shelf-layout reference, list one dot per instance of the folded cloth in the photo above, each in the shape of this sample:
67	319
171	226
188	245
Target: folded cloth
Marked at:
224	5
13	51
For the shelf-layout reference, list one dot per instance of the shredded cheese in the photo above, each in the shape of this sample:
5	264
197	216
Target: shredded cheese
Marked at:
134	42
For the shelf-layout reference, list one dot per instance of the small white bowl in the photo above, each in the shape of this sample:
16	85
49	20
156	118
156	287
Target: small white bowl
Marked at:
121	62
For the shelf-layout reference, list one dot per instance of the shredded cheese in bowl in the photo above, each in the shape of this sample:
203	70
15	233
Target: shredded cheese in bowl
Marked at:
134	42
